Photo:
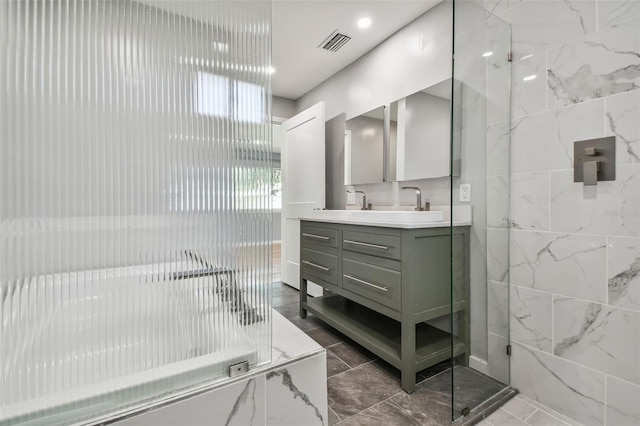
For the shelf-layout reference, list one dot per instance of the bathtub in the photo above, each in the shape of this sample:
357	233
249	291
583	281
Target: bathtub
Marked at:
99	340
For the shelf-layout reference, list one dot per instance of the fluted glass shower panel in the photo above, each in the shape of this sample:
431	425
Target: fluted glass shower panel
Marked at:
135	201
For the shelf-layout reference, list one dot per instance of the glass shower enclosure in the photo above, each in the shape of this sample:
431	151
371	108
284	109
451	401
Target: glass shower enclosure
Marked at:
135	212
479	198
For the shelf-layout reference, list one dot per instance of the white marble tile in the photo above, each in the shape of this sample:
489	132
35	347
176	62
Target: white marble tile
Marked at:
567	264
518	408
502	418
623	403
623	270
297	393
498	142
611	12
497	43
571	389
498	308
539	25
544	141
530	319
529	85
610	207
545	409
541	418
498	7
498	255
498	95
239	404
498	360
623	122
598	336
498	201
594	66
288	341
530	201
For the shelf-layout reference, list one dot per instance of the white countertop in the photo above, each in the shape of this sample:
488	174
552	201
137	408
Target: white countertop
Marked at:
395	219
415	225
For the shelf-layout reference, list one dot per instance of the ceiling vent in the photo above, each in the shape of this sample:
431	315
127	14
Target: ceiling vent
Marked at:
335	41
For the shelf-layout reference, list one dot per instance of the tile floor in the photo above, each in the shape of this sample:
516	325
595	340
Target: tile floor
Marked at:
523	411
364	390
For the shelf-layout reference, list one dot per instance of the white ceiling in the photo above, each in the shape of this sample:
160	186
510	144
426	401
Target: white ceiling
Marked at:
300	26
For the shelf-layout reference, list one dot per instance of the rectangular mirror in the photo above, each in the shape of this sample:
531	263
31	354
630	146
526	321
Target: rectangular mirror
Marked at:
422	126
364	148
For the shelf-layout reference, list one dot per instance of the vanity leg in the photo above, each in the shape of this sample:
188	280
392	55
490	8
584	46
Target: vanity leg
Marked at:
408	355
303	297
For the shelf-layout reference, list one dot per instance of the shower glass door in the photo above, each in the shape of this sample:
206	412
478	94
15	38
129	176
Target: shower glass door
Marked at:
135	211
480	185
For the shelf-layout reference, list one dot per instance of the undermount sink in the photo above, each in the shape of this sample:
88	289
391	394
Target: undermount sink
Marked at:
381	216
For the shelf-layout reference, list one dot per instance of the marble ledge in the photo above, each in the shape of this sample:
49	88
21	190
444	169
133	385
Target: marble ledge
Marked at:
289	342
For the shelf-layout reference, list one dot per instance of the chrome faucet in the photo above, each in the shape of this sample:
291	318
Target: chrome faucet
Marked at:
365	206
419	206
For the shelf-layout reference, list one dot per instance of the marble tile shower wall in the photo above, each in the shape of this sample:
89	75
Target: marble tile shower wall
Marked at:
574	266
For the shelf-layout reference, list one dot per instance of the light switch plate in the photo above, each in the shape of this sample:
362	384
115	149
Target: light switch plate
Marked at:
465	193
351	198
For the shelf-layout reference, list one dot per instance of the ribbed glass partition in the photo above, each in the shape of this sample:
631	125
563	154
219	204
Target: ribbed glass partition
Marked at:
135	174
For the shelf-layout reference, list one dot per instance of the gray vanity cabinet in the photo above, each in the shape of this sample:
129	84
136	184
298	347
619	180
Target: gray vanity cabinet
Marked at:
383	284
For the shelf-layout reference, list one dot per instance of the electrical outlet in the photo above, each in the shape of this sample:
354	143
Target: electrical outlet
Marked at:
351	198
465	193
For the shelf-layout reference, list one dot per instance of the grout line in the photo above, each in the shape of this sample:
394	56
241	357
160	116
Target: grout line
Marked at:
606	381
536	409
353	368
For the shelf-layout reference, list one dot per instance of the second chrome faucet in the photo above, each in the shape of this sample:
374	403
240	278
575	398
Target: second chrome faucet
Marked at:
419	206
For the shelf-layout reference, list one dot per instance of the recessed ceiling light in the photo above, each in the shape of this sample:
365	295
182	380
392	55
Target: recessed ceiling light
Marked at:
487	54
364	22
272	70
530	77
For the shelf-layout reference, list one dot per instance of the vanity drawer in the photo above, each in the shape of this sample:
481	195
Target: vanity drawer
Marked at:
312	235
316	264
374	244
378	284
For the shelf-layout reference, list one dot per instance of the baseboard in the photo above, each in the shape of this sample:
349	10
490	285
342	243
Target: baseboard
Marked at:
478	364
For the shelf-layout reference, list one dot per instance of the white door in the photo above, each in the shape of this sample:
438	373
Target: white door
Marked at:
303	185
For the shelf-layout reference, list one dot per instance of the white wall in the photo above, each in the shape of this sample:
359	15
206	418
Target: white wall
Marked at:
283	107
394	69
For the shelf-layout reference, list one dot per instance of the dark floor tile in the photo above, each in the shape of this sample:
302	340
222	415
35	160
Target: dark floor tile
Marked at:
308	323
433	370
383	414
485	409
471	387
335	365
360	388
285	299
394	372
325	337
352	353
278	289
288	311
426	406
333	417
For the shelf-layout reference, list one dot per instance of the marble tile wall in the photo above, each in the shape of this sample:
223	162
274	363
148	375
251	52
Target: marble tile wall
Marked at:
574	256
